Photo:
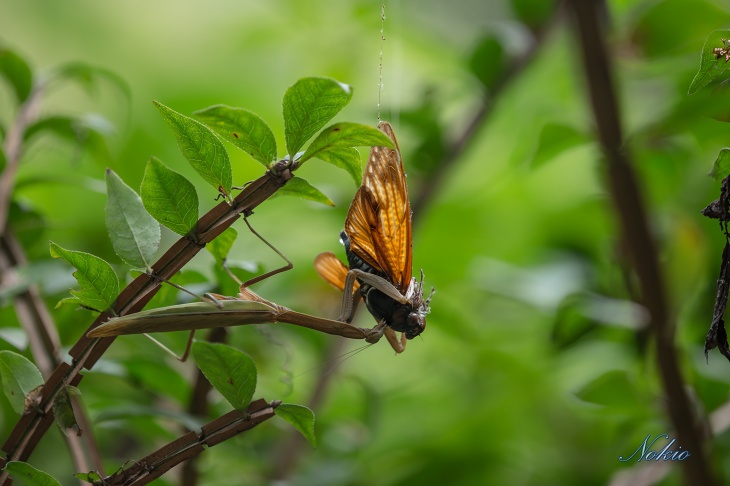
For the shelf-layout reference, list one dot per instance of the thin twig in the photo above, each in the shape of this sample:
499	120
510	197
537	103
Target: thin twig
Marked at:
639	241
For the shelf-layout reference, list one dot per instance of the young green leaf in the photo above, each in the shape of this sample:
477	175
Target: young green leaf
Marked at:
308	105
19	377
220	247
98	282
63	412
134	233
229	370
17	73
346	158
30	475
202	148
243	128
301	418
301	188
712	66
169	197
346	134
721	167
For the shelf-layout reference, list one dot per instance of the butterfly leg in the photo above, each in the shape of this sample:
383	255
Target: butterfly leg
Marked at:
289	265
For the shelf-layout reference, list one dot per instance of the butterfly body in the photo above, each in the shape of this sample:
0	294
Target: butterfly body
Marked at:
384	308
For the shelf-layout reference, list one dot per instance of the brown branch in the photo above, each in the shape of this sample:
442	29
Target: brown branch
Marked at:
32	426
13	149
30	309
191	444
639	241
44	342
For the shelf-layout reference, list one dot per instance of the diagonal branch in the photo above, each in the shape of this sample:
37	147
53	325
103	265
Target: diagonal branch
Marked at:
627	198
31	427
191	444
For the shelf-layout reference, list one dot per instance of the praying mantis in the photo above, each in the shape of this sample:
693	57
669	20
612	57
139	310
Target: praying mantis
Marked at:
378	244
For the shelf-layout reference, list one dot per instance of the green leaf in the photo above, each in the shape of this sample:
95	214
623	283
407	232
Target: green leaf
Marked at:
134	233
63	412
243	128
711	67
308	105
611	389
17	73
30	475
488	61
98	282
300	417
88	76
346	134
19	377
87	132
91	477
533	13
346	158
201	148
301	188
555	139
223	243
229	370
169	197
3	160
721	167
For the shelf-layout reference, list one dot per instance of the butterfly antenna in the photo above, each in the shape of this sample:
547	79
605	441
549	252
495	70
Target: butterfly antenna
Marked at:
382	39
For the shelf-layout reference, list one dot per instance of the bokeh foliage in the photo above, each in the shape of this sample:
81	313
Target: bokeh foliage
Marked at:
535	368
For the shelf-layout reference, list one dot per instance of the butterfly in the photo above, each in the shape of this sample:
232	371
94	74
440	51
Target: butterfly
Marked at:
378	244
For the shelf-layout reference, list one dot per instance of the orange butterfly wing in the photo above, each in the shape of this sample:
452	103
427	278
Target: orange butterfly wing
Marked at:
332	270
378	222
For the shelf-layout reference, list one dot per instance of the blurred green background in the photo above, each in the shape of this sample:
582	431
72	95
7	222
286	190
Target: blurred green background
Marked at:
535	368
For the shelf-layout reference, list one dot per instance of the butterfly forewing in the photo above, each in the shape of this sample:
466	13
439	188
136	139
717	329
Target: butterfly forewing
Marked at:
379	220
